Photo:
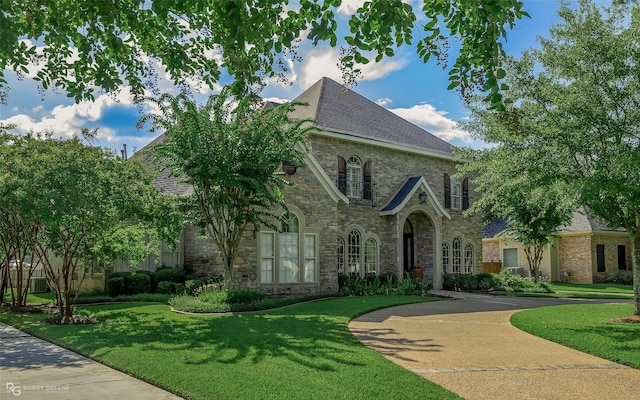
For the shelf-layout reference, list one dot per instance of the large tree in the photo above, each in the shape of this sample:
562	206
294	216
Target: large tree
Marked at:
577	103
232	153
89	207
85	46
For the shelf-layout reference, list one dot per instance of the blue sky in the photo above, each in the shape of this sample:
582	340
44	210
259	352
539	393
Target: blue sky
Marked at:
402	84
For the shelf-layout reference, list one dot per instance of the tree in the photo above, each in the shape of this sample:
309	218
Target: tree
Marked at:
232	154
86	46
577	103
511	189
89	206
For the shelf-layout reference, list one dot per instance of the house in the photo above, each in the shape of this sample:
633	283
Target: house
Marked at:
376	195
582	252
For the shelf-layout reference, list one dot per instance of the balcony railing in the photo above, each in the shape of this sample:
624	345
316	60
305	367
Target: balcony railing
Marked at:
361	193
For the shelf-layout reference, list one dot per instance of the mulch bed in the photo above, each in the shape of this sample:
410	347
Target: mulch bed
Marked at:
631	319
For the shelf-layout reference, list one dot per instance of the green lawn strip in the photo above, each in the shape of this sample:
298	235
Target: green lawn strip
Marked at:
300	352
586	327
593	287
570	295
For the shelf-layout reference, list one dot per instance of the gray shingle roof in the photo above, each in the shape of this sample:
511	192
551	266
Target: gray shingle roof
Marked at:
402	193
338	109
163	181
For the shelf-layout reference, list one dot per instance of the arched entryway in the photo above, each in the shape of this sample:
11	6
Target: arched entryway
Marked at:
419	244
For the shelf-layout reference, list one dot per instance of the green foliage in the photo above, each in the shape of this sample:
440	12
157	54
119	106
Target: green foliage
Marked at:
503	281
168	287
87	47
231	153
193	284
575	112
170	274
115	285
138	283
620	276
387	284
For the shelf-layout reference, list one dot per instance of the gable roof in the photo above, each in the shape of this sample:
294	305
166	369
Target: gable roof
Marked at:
337	109
406	191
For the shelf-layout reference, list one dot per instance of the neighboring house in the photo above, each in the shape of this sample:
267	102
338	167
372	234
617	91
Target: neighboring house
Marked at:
582	252
376	195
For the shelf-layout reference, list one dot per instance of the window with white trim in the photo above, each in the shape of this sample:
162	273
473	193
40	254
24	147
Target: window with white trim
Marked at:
446	266
468	259
354	177
456	194
289	256
370	256
456	255
340	255
353	253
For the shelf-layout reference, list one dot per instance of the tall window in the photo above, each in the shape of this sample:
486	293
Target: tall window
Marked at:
456	194
289	251
370	256
468	259
267	257
600	258
289	256
340	254
354	253
446	266
456	259
354	177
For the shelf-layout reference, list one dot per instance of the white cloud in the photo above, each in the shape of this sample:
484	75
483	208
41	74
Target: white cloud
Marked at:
349	7
382	102
434	121
324	63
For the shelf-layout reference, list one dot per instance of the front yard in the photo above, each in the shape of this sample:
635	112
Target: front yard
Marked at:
301	352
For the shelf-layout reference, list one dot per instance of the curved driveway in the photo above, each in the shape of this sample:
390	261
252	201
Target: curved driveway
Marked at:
468	346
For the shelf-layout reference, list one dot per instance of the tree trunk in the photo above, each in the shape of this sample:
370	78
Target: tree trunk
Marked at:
635	263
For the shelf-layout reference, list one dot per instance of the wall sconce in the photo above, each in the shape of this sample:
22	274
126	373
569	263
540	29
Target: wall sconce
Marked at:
289	168
423	197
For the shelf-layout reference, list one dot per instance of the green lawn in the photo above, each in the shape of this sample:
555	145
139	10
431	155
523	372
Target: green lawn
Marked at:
593	287
586	327
301	352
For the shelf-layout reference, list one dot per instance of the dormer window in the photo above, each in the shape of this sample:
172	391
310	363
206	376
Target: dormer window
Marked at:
354	178
456	193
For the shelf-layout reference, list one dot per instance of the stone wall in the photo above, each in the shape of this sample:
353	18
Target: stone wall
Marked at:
491	251
574	255
610	242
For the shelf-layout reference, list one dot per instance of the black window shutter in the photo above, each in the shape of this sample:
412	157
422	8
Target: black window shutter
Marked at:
342	175
600	258
367	190
447	191
465	193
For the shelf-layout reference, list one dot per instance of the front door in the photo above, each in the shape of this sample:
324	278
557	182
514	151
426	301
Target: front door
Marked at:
407	246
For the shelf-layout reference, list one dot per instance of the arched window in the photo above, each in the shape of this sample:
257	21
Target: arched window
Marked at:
456	256
446	263
340	255
289	239
354	177
354	253
370	256
468	259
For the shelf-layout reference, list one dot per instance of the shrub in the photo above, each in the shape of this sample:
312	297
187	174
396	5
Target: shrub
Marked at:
115	286
246	296
486	281
467	281
354	285
170	274
137	282
620	276
165	287
193	284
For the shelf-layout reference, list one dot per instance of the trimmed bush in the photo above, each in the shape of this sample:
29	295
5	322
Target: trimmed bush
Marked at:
620	276
170	274
115	286
167	287
137	282
246	296
192	284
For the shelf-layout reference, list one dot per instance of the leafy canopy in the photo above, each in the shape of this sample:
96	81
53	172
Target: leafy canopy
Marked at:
84	46
231	153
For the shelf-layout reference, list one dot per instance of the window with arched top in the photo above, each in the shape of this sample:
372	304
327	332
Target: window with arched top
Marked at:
370	256
446	263
354	177
468	259
353	253
456	255
289	256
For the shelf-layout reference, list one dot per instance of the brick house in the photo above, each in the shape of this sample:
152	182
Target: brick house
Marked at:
582	252
376	195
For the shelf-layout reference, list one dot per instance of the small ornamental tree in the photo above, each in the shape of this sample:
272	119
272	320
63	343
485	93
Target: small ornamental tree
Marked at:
90	207
231	152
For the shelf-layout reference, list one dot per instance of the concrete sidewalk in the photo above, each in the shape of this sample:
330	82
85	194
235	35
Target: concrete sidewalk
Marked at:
468	346
31	368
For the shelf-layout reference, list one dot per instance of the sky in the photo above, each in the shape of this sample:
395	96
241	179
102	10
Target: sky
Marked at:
403	84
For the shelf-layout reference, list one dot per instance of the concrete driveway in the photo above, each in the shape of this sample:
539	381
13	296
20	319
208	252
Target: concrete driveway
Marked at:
468	346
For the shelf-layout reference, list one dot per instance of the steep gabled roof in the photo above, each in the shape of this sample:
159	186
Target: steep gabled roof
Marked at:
338	109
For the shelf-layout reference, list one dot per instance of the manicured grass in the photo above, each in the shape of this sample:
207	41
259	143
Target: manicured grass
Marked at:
593	287
587	328
301	352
